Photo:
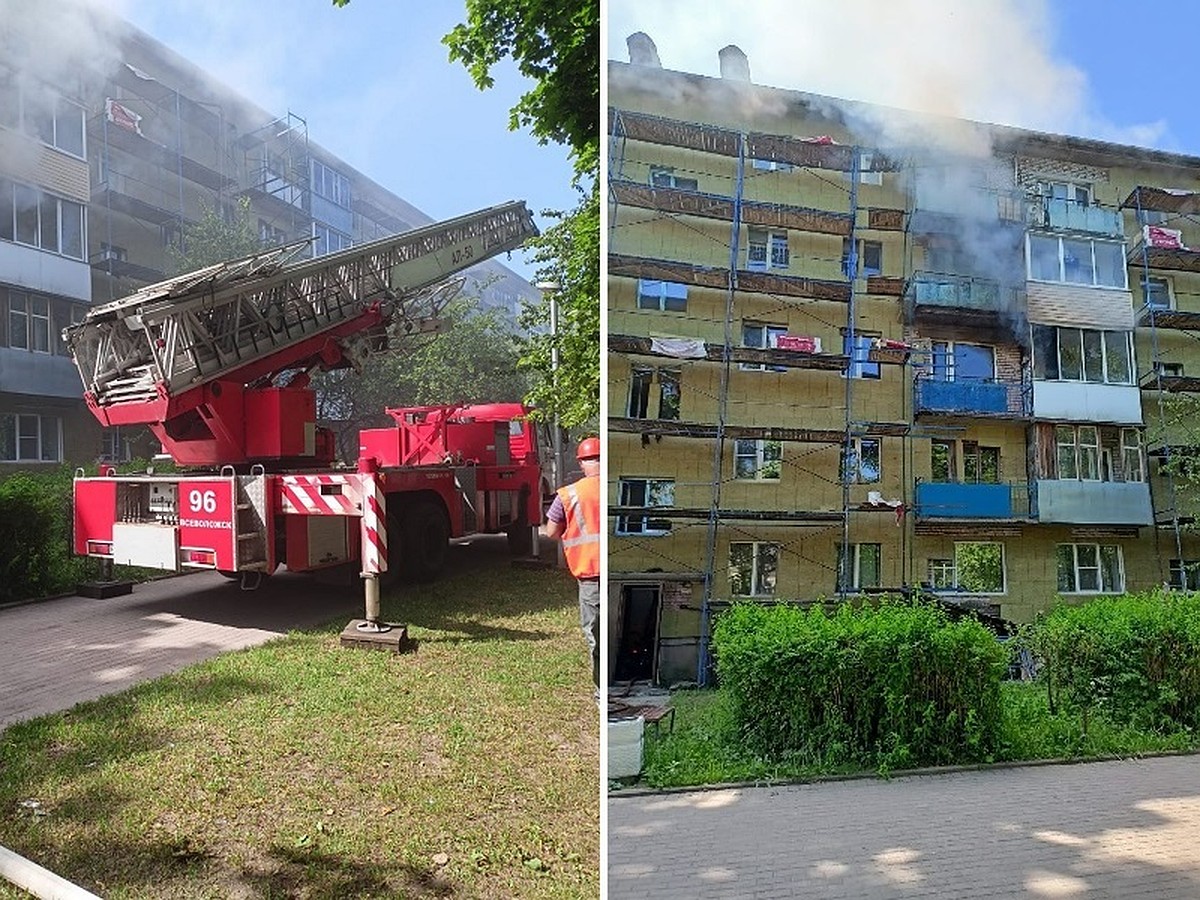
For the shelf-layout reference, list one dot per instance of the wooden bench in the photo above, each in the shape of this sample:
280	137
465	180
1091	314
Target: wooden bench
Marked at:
655	715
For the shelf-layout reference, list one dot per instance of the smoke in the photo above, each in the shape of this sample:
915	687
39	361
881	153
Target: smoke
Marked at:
986	60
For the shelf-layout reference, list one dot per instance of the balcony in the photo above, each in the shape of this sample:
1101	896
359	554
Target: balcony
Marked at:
953	292
1067	215
974	398
1073	502
952	500
1079	401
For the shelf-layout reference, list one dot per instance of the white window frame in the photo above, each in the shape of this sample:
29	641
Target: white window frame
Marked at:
757	572
771	165
771	332
62	205
664	176
330	184
759	455
1003	570
1070	190
18	423
1168	288
661	293
1099	569
1085	449
1062	272
326	236
852	468
21	305
643	525
1133	462
1104	355
649	376
855	573
767	249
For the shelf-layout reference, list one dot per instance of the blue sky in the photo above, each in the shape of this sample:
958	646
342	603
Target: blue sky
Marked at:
375	85
1092	68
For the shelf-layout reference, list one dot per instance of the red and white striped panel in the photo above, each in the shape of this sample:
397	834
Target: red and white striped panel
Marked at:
321	495
374	530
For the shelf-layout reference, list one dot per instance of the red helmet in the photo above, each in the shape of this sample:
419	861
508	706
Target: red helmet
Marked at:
589	448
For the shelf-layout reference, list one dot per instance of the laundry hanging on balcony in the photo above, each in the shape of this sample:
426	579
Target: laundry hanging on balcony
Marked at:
681	348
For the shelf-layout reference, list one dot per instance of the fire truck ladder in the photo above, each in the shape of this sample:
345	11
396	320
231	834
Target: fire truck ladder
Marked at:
170	337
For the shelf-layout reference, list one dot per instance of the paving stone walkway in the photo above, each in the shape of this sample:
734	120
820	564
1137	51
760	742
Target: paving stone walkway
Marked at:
61	652
1111	829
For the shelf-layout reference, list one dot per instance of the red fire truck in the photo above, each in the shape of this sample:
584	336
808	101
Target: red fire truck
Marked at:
217	364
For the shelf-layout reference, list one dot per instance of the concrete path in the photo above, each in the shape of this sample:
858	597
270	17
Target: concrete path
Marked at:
1114	829
61	652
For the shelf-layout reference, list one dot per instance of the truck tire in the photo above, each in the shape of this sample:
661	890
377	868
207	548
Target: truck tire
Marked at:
424	541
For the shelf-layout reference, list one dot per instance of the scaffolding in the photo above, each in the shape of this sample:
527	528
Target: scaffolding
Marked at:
666	200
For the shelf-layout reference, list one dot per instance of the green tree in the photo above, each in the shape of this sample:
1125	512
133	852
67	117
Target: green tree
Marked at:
474	360
216	237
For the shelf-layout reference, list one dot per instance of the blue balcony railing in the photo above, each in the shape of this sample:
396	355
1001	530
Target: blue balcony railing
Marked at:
947	500
973	397
1068	215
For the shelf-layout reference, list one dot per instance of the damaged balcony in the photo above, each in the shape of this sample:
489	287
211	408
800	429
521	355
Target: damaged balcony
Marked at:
941	296
1001	501
973	398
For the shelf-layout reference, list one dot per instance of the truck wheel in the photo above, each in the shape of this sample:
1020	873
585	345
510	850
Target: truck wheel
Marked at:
425	540
520	539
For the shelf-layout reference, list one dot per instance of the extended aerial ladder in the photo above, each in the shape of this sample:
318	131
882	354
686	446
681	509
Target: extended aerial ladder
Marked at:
217	363
201	358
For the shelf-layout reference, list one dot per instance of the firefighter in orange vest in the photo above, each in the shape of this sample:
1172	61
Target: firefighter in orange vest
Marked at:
575	517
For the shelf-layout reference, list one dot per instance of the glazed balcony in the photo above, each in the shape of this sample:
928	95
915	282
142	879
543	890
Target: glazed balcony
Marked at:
1058	214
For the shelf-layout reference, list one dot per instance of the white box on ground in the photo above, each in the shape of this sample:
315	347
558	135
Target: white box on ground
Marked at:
625	747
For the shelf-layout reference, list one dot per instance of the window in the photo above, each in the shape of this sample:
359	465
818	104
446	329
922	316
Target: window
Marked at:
1157	293
767	249
30	438
869	261
753	568
771	165
863	570
662	295
762	337
1073	260
977	567
33	217
116	446
28	322
861	464
942	461
664	176
328	240
1090	569
1131	455
756	460
641	389
1081	354
645	492
981	465
954	361
330	184
859	354
41	113
1151	217
1078	451
1066	190
865	175
1185	574
941	574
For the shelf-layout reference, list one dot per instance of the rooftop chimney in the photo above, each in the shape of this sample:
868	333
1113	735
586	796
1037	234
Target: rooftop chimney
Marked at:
734	64
642	51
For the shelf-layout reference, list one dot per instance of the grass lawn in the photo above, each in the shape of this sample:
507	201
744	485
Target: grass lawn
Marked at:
704	747
468	768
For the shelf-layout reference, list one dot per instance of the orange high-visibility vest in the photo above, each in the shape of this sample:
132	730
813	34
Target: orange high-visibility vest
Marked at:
581	538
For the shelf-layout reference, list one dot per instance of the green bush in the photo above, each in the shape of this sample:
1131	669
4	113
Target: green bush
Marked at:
35	532
890	686
1134	659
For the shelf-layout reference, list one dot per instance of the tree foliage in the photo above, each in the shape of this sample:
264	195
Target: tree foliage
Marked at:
570	252
556	43
473	361
216	237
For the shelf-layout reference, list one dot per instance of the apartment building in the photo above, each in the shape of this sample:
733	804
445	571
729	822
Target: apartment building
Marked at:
111	145
856	351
